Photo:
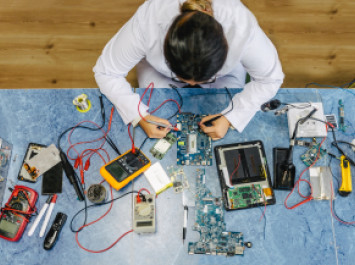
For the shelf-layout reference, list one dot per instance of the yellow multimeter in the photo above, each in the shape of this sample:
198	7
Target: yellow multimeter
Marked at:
122	170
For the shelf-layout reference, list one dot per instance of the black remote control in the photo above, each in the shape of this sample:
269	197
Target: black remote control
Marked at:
53	233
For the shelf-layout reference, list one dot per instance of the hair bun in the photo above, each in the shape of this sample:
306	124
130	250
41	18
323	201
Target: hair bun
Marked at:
204	6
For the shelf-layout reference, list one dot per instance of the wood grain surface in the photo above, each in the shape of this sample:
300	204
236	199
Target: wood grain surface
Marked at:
55	43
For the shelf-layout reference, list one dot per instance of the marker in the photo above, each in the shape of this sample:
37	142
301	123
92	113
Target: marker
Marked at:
163	125
39	217
48	216
185	223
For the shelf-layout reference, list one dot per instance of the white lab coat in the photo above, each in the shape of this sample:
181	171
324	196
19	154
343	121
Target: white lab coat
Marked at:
142	37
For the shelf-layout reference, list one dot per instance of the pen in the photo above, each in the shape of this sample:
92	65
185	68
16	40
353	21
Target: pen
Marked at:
185	223
48	216
163	125
39	217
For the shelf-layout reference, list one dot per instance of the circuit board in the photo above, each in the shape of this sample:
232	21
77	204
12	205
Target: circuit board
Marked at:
209	222
193	146
311	155
242	197
162	146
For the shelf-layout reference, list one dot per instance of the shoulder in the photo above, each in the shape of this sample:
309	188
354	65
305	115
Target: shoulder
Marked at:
238	24
234	16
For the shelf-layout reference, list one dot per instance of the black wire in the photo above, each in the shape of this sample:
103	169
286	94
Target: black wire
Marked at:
181	101
231	99
95	205
343	142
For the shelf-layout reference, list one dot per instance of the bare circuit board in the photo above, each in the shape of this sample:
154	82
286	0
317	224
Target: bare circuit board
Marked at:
209	222
193	146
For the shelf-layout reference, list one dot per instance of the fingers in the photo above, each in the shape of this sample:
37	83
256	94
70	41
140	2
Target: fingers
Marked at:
218	129
153	130
157	119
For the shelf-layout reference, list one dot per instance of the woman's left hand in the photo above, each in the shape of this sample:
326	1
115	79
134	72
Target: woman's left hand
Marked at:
218	129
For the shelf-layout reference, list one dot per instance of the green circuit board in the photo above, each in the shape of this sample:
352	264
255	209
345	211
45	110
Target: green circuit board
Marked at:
243	197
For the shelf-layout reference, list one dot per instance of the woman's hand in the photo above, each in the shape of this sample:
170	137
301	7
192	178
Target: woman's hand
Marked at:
152	130
219	127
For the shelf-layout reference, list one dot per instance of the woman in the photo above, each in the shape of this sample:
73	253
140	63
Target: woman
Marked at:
206	43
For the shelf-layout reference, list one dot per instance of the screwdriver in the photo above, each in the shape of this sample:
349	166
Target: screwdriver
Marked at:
159	124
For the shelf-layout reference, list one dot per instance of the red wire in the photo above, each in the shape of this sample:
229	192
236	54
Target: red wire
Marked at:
98	219
235	170
88	152
144	190
103	250
309	197
261	217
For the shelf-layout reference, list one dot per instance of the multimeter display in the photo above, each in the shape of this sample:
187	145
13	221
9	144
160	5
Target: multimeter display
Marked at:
9	227
117	171
120	171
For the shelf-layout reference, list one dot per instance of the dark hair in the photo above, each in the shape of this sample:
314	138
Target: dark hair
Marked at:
195	47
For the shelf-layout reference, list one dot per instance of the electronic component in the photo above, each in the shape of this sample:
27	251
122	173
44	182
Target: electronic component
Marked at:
53	233
123	169
96	193
284	173
310	128
244	175
52	180
157	178
346	182
193	146
311	154
44	160
162	146
320	178
144	213
178	178
209	222
14	216
332	120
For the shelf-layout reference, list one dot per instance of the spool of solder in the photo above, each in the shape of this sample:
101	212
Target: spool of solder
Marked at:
82	103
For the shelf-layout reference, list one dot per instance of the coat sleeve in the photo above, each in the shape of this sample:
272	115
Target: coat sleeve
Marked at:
260	60
119	56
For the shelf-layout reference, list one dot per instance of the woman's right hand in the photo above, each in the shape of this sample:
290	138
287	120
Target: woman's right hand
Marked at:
152	130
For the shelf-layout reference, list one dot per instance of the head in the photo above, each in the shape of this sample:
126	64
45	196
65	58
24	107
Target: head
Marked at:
195	47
